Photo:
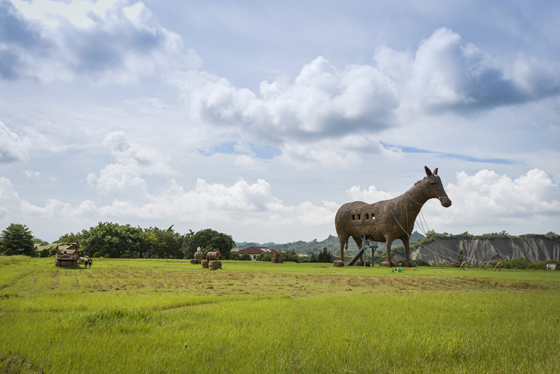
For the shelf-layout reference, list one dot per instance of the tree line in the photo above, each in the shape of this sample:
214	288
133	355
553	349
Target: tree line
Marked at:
112	240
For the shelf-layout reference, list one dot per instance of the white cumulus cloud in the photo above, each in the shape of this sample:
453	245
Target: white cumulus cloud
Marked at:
106	41
16	147
369	195
489	202
133	160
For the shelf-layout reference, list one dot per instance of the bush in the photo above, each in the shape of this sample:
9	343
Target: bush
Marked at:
245	257
125	255
421	262
234	256
8	252
96	255
516	263
541	265
107	256
45	253
290	255
264	257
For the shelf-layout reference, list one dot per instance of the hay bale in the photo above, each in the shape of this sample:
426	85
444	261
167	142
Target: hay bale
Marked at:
199	256
368	263
274	260
404	263
215	264
213	256
280	260
338	263
204	264
194	262
412	264
386	263
358	263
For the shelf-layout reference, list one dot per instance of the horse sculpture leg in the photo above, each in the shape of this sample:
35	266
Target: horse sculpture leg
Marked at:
358	241
343	242
407	248
388	250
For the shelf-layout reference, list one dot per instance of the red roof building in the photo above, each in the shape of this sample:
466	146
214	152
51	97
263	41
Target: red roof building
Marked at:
254	252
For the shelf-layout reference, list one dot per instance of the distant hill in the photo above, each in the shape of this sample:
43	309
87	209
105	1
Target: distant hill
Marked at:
332	244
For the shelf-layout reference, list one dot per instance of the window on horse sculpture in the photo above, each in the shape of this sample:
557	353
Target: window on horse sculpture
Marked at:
372	216
353	217
358	217
367	216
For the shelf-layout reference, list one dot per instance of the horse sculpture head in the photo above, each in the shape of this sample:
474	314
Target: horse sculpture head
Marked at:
436	187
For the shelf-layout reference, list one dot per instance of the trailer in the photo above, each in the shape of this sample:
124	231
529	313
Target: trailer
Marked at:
68	256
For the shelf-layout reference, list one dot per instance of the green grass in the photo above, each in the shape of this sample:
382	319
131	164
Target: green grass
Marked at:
150	316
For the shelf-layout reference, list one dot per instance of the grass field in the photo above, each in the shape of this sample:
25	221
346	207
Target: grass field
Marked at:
168	316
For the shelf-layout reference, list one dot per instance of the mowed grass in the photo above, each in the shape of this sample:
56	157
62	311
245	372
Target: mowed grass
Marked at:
168	316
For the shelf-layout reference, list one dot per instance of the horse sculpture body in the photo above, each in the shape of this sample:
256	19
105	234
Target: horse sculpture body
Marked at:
388	220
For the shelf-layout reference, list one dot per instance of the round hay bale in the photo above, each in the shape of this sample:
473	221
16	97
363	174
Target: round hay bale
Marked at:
394	264
274	260
204	264
215	264
368	263
358	263
404	263
338	263
194	262
412	264
213	256
386	263
280	260
199	256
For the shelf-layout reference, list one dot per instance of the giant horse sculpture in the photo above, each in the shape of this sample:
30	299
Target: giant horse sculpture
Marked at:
388	220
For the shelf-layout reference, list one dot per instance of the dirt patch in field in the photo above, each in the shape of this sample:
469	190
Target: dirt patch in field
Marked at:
55	284
17	365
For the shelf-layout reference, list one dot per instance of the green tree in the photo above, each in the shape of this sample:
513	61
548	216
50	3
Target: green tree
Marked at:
460	257
325	256
162	243
17	239
312	257
209	238
290	255
552	235
112	240
70	238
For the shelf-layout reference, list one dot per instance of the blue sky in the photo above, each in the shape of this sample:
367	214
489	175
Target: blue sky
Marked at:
259	119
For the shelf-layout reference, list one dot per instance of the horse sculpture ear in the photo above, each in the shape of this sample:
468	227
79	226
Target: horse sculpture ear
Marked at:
428	171
435	171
